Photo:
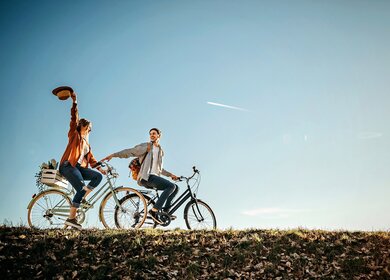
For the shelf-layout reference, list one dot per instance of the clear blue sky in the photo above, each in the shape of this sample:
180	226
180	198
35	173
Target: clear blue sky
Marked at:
311	150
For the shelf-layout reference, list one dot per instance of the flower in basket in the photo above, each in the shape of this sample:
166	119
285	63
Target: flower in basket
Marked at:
53	164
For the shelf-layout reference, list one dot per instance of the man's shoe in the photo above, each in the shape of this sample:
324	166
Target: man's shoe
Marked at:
166	212
153	215
73	223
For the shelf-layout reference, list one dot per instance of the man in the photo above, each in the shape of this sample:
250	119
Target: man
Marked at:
149	176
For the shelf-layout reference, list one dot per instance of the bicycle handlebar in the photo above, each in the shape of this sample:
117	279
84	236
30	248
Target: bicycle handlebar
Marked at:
196	171
110	168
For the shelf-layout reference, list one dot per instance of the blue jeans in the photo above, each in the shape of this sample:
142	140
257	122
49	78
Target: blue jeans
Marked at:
169	190
76	176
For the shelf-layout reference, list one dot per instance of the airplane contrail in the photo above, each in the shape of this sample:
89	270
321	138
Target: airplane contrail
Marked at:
227	106
369	135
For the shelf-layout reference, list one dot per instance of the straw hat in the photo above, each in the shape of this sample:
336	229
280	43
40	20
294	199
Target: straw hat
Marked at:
63	92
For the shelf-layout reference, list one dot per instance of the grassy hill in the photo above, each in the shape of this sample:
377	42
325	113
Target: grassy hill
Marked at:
155	254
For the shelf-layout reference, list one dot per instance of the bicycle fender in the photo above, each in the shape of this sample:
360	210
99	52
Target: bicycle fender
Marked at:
30	203
32	199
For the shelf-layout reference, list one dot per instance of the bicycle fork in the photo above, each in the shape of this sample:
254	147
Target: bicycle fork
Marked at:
196	211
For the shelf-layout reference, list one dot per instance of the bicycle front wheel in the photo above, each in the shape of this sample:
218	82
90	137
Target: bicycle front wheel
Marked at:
49	209
131	213
198	215
111	202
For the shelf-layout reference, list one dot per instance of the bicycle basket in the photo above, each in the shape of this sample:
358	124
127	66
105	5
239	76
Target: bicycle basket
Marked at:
53	178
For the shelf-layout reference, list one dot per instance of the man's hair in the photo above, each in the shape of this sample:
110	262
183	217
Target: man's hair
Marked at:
82	123
156	129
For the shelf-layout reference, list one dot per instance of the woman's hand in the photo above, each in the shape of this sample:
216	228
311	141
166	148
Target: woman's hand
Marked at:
101	170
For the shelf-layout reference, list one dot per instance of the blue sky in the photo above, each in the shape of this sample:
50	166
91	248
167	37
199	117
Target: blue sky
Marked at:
309	149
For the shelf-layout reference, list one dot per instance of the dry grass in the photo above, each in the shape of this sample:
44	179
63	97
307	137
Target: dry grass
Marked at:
155	254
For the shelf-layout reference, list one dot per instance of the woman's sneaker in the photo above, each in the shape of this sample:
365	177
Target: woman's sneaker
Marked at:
73	223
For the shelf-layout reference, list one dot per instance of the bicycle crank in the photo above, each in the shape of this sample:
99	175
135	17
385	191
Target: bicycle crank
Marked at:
165	219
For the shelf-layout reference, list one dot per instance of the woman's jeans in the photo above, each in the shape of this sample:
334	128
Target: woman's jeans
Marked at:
76	176
169	190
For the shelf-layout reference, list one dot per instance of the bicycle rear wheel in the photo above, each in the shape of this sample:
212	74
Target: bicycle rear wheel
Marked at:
111	203
198	215
131	212
49	209
149	222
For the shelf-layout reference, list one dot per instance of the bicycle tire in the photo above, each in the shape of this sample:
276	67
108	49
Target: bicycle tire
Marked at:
129	215
149	222
193	219
108	205
49	209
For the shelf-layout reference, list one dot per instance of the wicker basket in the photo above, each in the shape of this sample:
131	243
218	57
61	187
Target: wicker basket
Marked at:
53	178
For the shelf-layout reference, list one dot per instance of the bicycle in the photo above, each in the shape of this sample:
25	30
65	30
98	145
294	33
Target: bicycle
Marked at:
50	208
197	214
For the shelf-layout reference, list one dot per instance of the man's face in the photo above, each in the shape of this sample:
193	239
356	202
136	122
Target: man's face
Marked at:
154	136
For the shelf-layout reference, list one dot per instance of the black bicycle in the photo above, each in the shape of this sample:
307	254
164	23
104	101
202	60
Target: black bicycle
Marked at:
197	214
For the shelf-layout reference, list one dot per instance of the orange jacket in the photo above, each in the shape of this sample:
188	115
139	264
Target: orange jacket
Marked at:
75	144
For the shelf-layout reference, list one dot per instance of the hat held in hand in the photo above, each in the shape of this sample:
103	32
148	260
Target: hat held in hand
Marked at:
63	92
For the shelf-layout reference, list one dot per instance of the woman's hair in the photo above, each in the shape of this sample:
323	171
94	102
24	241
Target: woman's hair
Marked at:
156	129
82	123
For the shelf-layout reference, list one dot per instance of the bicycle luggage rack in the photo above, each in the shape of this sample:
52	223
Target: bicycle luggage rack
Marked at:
53	178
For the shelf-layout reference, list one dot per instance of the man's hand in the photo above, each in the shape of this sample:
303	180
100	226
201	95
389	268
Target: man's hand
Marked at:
74	97
101	170
174	177
107	158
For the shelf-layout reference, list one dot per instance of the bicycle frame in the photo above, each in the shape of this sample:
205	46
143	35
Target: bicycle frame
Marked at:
176	204
102	191
95	197
181	200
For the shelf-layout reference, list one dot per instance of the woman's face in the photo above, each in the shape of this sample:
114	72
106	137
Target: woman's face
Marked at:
86	129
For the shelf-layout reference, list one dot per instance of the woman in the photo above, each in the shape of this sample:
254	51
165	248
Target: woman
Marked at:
74	162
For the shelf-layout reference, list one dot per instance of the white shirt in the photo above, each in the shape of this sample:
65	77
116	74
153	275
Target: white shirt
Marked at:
84	151
155	151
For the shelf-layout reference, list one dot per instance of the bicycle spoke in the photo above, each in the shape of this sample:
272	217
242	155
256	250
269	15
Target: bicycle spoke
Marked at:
198	215
124	214
129	214
49	209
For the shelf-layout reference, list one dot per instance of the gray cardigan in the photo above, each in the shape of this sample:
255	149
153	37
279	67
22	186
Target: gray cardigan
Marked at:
140	151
